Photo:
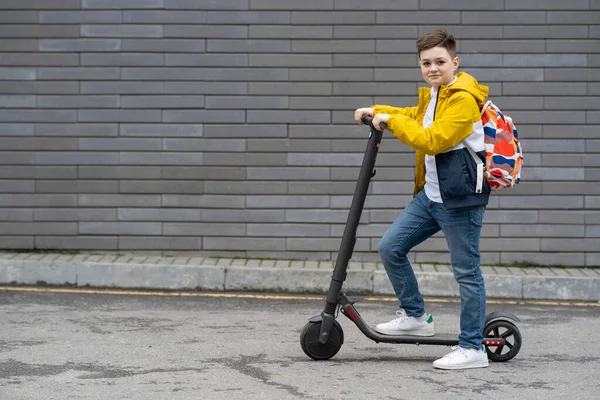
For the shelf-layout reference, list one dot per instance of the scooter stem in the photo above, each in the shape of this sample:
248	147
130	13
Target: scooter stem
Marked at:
367	171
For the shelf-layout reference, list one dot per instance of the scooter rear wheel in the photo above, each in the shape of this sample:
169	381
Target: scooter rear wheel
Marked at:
309	340
511	335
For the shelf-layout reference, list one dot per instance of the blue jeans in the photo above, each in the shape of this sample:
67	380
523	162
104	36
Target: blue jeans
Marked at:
462	227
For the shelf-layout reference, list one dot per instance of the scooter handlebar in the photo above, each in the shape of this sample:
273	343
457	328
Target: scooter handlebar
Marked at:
368	120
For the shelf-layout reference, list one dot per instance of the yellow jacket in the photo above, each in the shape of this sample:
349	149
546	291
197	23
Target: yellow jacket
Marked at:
457	112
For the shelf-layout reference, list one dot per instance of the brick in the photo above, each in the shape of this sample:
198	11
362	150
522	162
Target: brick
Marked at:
38	200
163	74
255	159
501	46
333	46
78	73
548	5
203	116
289	116
288	145
18	45
556	146
122	4
248	17
570	188
331	74
122	59
507	74
507	17
206	88
322	244
332	17
319	160
78	101
202	173
289	88
38	172
542	202
572	17
165	243
18	17
373	88
207	4
17	101
121	87
162	158
23	214
16	242
18	115
12	186
246	102
290	32
187	187
546	32
7	73
39	31
291	5
119	200
592	117
375	60
247	74
547	117
572	46
164	45
592	201
120	144
410	17
207	145
123	31
485	5
248	46
79	45
203	201
320	216
208	60
257	201
570	74
516	230
79	186
287	173
76	158
164	17
120	228
206	31
17	158
74	214
377	5
543	88
161	130
396	74
571	103
37	144
237	243
288	230
243	187
204	229
37	59
544	60
243	215
131	115
162	101
79	17
561	217
119	172
75	129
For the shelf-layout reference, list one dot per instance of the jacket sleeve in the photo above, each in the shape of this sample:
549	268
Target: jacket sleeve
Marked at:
447	130
410	112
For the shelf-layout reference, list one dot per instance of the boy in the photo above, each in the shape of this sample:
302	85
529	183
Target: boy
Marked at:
450	195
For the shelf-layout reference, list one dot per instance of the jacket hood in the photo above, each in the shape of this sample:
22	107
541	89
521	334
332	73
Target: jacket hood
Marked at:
469	84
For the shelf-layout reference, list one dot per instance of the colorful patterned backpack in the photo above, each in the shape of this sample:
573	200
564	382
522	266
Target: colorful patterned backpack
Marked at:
503	153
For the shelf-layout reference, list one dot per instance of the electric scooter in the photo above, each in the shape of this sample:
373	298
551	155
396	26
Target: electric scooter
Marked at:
322	337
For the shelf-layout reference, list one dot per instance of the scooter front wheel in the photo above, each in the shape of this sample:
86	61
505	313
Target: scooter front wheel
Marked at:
512	338
309	340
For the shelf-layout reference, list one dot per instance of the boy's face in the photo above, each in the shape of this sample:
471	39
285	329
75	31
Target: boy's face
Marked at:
438	66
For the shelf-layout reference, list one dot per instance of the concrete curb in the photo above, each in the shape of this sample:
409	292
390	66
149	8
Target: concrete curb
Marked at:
271	278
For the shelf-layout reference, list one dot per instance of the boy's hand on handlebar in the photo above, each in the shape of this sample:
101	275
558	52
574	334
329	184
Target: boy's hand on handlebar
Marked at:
379	119
361	112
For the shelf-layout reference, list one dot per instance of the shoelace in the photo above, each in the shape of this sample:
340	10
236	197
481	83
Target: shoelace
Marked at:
401	316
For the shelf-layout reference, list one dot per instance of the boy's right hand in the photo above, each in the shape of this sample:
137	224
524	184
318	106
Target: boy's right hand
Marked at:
361	112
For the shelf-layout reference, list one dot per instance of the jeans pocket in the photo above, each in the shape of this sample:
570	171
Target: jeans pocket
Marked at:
476	215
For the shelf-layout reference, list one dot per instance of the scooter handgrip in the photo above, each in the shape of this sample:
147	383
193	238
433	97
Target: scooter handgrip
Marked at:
367	119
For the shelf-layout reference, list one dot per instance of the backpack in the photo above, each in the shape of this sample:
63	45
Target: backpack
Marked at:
503	153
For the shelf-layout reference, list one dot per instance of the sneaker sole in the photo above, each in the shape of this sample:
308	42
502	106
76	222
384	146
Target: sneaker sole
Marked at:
405	333
479	364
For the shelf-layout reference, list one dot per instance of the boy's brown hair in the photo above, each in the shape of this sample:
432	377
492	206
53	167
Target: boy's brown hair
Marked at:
438	37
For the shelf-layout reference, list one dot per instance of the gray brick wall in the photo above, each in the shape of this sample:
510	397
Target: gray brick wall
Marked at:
225	127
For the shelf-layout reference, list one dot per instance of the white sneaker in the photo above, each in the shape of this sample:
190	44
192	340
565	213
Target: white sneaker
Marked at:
461	358
405	325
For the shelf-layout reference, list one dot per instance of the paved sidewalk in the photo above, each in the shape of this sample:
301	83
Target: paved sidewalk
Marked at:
226	274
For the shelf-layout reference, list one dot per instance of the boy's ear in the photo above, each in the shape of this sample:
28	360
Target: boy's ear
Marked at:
455	63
